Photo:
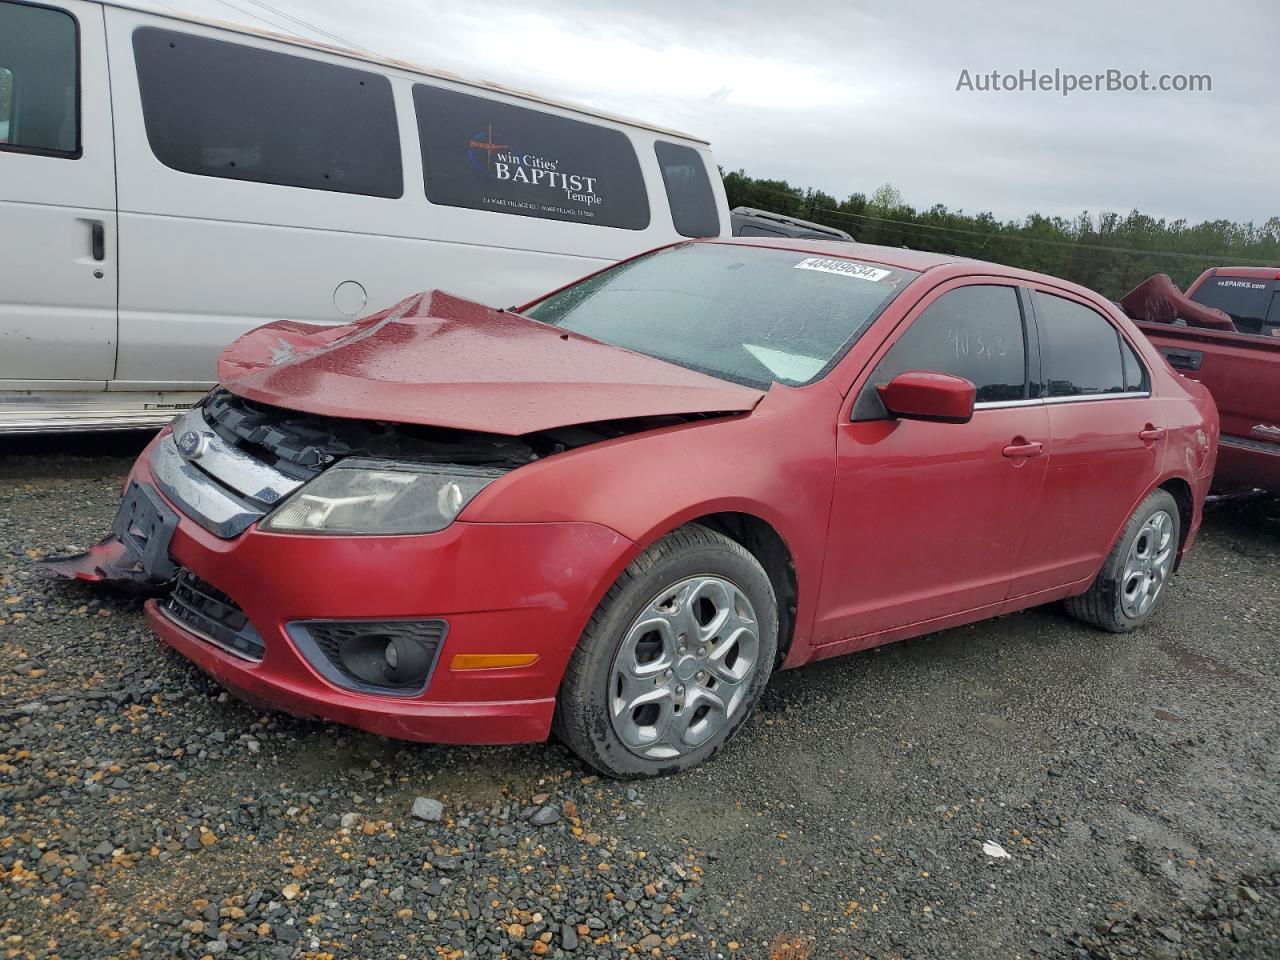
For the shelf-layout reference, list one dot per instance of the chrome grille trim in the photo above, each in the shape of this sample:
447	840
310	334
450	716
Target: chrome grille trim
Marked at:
232	467
199	496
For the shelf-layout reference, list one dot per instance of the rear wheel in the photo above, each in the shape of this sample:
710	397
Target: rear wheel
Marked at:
1133	579
674	659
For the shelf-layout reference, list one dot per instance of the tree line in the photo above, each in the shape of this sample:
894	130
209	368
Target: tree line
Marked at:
1108	252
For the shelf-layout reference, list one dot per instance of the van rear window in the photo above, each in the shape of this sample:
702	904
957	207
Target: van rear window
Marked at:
485	155
693	205
227	110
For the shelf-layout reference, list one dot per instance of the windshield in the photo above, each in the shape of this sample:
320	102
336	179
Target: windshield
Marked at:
751	315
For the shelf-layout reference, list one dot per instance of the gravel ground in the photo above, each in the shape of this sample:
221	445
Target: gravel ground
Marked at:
1130	787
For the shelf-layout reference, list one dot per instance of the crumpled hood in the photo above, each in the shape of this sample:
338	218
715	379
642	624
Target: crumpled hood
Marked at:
441	360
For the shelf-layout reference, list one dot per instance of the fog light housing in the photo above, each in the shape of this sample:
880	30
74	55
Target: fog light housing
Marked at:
390	657
406	660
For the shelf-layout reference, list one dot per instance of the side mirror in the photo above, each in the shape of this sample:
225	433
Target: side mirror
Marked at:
923	395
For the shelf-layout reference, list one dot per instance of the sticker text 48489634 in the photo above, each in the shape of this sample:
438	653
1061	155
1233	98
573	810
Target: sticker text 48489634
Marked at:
845	268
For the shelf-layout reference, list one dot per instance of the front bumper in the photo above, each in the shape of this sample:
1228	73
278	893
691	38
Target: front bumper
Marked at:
502	588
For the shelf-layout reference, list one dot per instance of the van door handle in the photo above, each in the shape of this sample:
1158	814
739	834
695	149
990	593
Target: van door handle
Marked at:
1151	434
98	241
1022	448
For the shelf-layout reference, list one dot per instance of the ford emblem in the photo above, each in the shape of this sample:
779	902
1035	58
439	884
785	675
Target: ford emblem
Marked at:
192	445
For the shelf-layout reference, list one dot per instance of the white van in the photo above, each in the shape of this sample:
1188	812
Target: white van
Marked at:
167	184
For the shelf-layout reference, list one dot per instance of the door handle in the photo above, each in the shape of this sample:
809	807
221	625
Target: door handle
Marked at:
1151	434
1183	359
98	241
1023	448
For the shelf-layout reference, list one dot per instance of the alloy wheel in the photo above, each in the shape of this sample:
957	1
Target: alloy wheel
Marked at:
684	667
1148	564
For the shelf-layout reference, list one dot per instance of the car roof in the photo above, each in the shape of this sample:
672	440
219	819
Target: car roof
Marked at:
405	65
1251	273
901	257
905	258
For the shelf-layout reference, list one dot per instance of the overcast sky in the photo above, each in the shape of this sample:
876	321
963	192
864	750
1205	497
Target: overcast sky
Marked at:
845	96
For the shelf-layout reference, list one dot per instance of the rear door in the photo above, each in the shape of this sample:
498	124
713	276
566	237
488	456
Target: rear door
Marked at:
1108	442
928	518
57	198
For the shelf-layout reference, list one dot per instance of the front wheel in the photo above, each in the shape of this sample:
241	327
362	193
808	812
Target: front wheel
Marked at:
674	658
1134	576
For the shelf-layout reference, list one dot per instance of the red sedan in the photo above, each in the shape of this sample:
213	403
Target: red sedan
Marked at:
617	510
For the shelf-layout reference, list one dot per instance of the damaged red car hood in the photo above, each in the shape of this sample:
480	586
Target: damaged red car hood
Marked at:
441	360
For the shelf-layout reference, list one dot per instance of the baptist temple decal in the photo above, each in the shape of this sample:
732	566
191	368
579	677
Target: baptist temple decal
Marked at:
502	163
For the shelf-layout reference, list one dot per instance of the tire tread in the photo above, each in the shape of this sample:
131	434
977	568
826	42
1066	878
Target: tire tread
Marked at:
1099	605
572	721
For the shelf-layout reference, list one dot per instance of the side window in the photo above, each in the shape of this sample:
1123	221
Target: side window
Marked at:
1135	374
6	98
483	154
973	332
693	205
227	110
751	230
1080	349
39	82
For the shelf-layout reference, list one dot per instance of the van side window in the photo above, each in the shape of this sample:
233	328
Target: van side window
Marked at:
693	205
482	154
221	109
39	82
973	332
1080	349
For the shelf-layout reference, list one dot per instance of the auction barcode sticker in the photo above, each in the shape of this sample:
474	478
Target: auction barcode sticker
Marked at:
846	268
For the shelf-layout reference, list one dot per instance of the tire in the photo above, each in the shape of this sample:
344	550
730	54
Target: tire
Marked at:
631	648
1109	603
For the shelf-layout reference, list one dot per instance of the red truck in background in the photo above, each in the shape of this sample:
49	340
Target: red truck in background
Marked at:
1225	332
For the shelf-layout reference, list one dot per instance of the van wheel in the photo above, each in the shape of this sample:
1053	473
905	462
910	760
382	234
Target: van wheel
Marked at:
674	658
1133	579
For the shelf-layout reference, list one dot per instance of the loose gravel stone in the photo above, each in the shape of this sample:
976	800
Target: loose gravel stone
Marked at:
545	816
1132	780
427	808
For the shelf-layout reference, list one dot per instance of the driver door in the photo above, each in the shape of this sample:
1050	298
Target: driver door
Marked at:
928	518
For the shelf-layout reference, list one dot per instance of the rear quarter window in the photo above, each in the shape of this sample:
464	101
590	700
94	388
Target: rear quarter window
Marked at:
481	154
227	110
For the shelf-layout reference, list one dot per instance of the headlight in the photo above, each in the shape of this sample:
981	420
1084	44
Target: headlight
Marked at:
380	497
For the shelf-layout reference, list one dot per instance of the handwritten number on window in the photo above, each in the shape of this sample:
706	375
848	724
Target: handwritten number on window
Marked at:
976	344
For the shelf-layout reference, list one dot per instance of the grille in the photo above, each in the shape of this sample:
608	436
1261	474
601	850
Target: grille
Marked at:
295	444
209	612
336	645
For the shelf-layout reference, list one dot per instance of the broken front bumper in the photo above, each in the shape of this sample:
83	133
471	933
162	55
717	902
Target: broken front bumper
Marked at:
500	588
